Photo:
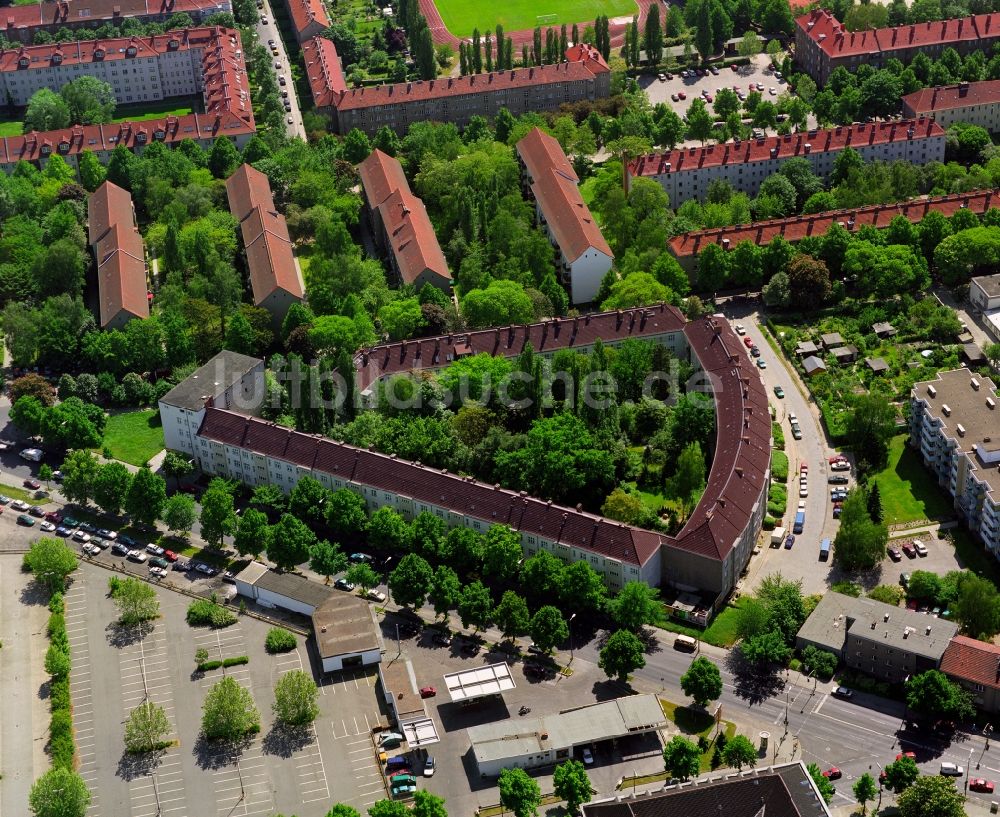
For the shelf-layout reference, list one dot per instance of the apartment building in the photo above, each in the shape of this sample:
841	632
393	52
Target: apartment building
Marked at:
822	43
20	22
400	224
955	425
887	642
687	172
229	380
549	179
701	563
686	246
309	18
118	251
222	80
973	103
275	275
984	292
584	75
975	665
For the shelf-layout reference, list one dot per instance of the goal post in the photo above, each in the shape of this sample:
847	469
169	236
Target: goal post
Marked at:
546	19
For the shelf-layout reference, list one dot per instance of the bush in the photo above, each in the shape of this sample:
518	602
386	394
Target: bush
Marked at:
56	603
769	523
279	640
236	661
887	594
847	588
205	666
795	664
59	694
779	466
778	435
61	739
56	631
206	613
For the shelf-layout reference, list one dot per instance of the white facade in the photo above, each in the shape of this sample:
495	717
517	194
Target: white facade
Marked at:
180	425
335	663
584	275
984	292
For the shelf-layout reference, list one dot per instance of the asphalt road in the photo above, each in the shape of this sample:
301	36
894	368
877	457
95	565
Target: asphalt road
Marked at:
270	32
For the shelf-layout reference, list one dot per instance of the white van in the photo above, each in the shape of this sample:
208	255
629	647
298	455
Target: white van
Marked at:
686	643
33	454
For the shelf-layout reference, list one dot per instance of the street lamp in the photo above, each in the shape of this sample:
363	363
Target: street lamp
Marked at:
569	625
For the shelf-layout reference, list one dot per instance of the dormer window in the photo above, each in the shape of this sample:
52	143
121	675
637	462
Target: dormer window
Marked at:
23	62
56	59
46	150
64	146
140	138
174	44
98	53
130	51
159	134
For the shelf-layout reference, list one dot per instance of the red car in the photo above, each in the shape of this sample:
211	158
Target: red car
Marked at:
54	516
34	484
428	692
682	95
748	342
909	550
911	755
735	67
833	773
170	556
803	467
981	784
838	458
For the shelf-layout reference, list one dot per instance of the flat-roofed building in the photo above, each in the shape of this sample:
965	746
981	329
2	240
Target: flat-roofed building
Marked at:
283	591
549	178
955	425
887	642
984	292
119	255
347	634
686	173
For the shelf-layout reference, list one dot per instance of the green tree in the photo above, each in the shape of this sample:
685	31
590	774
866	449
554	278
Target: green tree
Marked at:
387	530
870	428
80	470
426	804
411	581
702	681
739	752
46	111
519	793
289	542
636	605
931	796
110	487
819	662
179	513
362	575
252	533
57	662
136	602
342	810
59	793
223	158
218	512
582	589
865	789
307	502
295	698
50	561
92	172
502	554
636	289
682	757
475	607
901	774
699	121
766	648
511	615
621	655
875	504
931	693
501	303
654	36
548	628
229	712
146	728
446	590
571	783
145	497
346	515
750	45
977	608
860	543
388	808
326	559
824	785
91	101
688	479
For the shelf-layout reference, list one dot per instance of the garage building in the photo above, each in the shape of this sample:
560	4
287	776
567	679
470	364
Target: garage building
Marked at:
347	634
285	591
546	740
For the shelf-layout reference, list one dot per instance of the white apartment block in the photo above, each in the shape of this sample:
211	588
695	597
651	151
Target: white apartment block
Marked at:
228	380
955	425
972	103
686	173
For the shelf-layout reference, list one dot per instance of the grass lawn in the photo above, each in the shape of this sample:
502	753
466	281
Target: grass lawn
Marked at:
11	128
151	110
22	494
721	631
461	16
134	437
908	490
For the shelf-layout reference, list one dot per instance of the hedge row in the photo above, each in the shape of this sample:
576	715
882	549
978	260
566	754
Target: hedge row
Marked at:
235	661
61	748
779	466
779	436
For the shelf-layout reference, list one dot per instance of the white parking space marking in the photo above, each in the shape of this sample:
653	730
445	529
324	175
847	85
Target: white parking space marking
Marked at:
242	786
79	686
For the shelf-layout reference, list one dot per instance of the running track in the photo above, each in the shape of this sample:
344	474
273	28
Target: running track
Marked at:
441	34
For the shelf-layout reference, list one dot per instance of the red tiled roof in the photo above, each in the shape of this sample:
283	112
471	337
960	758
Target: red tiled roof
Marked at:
783	147
554	185
106	206
590	56
381	175
29	57
121	272
306	12
464	495
38	15
945	97
796	228
975	661
545	337
323	70
247	189
736	482
836	41
411	237
269	255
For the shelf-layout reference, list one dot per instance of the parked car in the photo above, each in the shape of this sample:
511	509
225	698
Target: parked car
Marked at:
920	548
904	579
25	520
159	572
91	549
86	527
755	351
19	505
844	692
761	363
429	767
80	536
428	692
159	561
534	670
120	549
789	541
104	533
32	483
748	342
343	584
838	479
981	784
182	566
375	595
803	489
779	392
894	554
837	511
909	550
47	526
442	639
359	558
208	570
390	737
4	500
37	511
136	556
63	531
588	756
951	769
54	516
170	556
840	465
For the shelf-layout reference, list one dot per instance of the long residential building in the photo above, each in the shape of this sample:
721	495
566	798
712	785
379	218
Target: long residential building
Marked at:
686	246
584	75
823	43
275	276
220	76
120	259
701	563
20	22
400	223
549	179
955	426
972	103
686	173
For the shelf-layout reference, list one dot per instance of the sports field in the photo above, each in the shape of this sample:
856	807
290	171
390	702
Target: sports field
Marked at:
461	16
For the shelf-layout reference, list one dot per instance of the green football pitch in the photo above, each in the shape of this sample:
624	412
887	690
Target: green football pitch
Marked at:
461	16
